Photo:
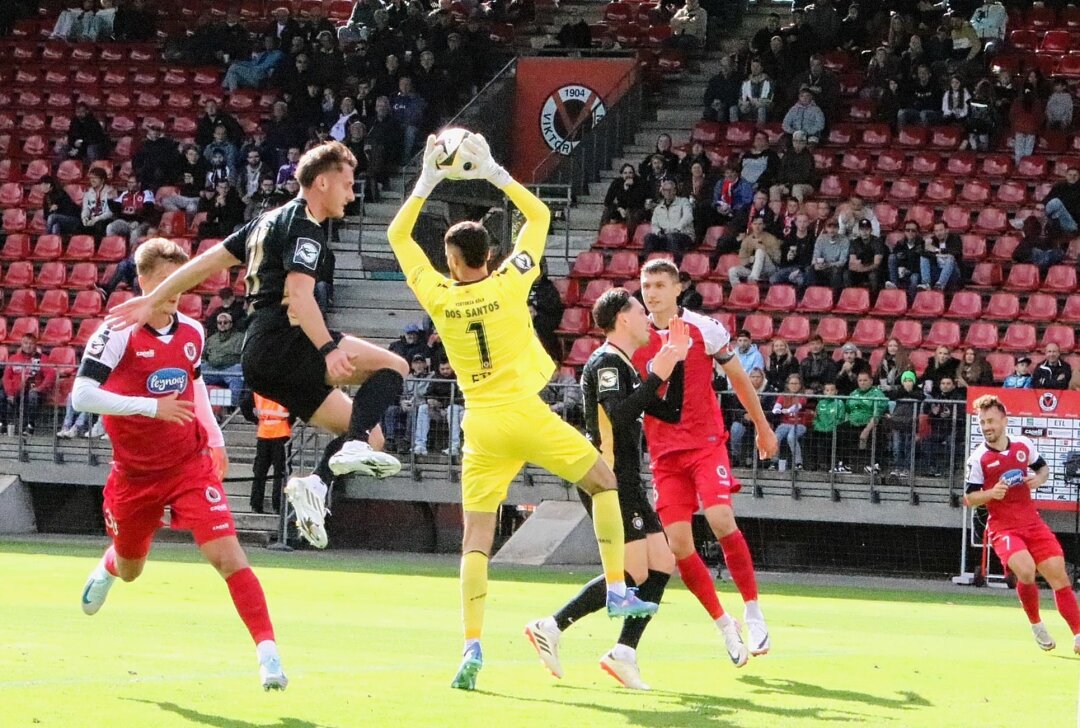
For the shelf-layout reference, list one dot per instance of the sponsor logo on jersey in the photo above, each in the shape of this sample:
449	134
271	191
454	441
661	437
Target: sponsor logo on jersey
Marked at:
190	352
307	252
220	527
213	495
568	114
1048	402
608	379
994	464
523	262
148	354
165	381
96	347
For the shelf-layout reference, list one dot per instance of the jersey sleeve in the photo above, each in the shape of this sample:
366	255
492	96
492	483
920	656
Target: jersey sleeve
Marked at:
196	367
426	283
305	246
103	352
975	477
236	244
1035	458
713	333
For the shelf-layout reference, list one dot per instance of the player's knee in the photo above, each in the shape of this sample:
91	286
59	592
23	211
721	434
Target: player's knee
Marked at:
664	562
129	571
681	546
1025	573
723	522
229	563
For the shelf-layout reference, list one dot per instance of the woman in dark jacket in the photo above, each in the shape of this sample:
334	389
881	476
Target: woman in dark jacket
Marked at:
625	200
61	212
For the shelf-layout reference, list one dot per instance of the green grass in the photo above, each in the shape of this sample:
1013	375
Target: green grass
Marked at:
373	640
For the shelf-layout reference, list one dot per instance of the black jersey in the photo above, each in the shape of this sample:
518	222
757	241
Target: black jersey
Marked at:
273	245
615	399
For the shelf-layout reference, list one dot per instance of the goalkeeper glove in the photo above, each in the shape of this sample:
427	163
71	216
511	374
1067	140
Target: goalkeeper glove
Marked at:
475	149
430	174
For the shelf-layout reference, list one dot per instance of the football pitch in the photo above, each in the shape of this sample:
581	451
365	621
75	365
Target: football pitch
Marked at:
373	639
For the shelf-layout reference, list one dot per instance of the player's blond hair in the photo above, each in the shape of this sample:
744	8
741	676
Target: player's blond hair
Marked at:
155	252
326	157
989	401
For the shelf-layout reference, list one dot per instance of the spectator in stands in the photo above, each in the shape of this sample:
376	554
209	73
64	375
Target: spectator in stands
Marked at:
947	249
564	397
824	21
973	370
946	425
790	412
157	162
865	408
921	101
399	422
625	199
386	138
908	263
1026	117
866	256
206	131
1036	247
756	94
822	82
96	213
220	143
799	37
70	18
1054	372
86	139
411	343
903	422
546	309
443	403
738	420
193	163
759	43
228	302
343	117
284	27
689	25
654	174
748	354
910	60
943	365
759	254
829	414
672	223
723	93
850	367
26	384
187	197
777	61
966	44
893	363
760	161
989	23
662	150
251	175
221	357
883	67
1059	107
820	213
732	198
134	23
854	211
410	110
782	364
219	170
326	59
224	211
853	35
698	187
796	253
288	170
1062	203
60	211
135	212
805	116
266	198
818	368
257	72
831	252
796	174
955	103
1021	376
689	297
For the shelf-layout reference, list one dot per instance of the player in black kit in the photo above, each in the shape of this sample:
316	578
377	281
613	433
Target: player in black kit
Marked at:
615	400
290	356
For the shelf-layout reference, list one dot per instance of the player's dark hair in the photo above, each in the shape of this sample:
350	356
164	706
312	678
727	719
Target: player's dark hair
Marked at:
661	265
989	401
325	157
155	252
608	307
472	239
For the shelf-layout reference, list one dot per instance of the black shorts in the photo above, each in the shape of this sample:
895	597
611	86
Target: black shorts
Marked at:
638	516
282	364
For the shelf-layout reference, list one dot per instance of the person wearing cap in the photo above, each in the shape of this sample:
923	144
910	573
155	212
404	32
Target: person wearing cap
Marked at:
903	421
866	257
1021	376
221	357
830	258
847	375
411	343
748	355
805	115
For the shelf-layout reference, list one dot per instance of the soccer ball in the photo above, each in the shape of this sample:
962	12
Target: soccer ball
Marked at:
450	161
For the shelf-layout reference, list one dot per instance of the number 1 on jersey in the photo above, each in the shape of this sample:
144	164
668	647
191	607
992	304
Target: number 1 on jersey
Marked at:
476	328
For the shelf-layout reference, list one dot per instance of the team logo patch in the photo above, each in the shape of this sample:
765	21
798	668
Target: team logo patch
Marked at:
722	473
1048	402
96	347
637	522
608	379
1021	456
166	381
213	495
523	262
307	252
568	114
190	352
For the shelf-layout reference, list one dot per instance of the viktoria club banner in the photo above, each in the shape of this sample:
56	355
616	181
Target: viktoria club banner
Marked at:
559	99
1051	418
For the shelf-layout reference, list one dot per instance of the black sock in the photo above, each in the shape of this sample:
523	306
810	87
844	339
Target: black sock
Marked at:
382	389
323	469
592	598
651	591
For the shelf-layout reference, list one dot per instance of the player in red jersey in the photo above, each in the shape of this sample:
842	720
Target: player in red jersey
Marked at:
690	463
167	451
1002	473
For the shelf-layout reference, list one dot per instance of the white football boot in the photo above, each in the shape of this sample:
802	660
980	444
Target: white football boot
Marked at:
733	641
1042	637
624	669
96	589
308	499
356	456
546	641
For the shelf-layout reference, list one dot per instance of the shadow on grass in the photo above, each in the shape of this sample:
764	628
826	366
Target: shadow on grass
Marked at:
905	701
220	721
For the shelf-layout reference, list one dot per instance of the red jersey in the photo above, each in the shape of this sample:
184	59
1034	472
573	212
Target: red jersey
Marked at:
985	468
132	204
143	362
701	425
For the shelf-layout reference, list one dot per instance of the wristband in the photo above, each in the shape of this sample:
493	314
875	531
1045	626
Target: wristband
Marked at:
328	347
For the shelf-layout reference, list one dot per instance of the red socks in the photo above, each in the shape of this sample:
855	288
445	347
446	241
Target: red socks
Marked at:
247	595
699	580
740	564
1029	599
109	561
1065	599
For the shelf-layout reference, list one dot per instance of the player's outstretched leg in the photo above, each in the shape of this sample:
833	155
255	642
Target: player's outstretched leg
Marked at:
1029	600
378	392
621	661
741	565
1053	570
99	582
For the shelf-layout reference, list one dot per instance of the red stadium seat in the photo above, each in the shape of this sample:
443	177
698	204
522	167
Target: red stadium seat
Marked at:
1022	277
581	350
22	302
707	132
116	298
919	359
1001	363
890	162
819	299
87	304
990	221
113	249
974	192
915	137
588	264
51	275
921	215
986	275
47	247
855	160
958	219
868	332
824	161
907	332
779	298
696	265
1060	279
1003	249
744	297
928	304
794	329
1011	193
220	280
575	321
946	137
83	275
1033	168
612	235
712	295
86	329
833	330
1055	42
982	335
870	188
875	135
723	265
54	303
637	242
940	191
589	296
23	326
1070	312
14	220
19	274
832	187
712	235
80	247
863	110
904	190
760	326
841	135
173	224
11	194
191	305
925	164
943	333
1002	307
887	214
1063	336
1069	66
891	303
1040	308
960	164
996	166
623	265
1019	338
61	355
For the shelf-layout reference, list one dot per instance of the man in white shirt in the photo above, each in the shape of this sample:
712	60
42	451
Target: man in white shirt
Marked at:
689	25
672	223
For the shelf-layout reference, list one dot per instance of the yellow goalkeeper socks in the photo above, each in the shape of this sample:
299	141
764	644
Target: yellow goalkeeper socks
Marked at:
607	523
474	584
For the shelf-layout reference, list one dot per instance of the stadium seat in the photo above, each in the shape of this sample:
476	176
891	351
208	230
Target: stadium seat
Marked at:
904	190
707	132
637	241
51	275
744	297
723	265
19	274
191	305
47	247
991	220
1060	279
1055	42
960	164
863	110
87	304
612	235
23	326
974	192
855	160
794	329
58	332
1019	338
588	264
914	137
575	321
79	248
1002	307
946	137
1001	363
113	249
1040	308
986	275
1022	277
939	191
921	215
760	326
712	236
581	350
1070	312
1033	167
819	299
841	135
173	224
832	187
907	332
887	214
870	188
943	333
22	302
974	247
890	162
1003	249
623	265
868	332
712	295
891	302
11	194
925	164
14	220
696	265
1069	66
824	161
1063	336
833	330
1011	193
82	275
996	166
589	296
928	304
86	329
61	356
780	299
982	336
727	320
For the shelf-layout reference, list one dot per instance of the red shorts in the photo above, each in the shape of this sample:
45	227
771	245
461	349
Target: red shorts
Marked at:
196	499
1036	539
685	478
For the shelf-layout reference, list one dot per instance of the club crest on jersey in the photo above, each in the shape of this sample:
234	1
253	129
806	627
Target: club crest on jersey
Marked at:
523	262
96	347
213	495
1048	402
722	472
1021	456
307	252
166	381
638	522
190	351
608	379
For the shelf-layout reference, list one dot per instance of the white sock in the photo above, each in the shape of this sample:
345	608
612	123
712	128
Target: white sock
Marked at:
469	644
619	587
753	611
548	625
624	652
100	572
266	649
725	620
